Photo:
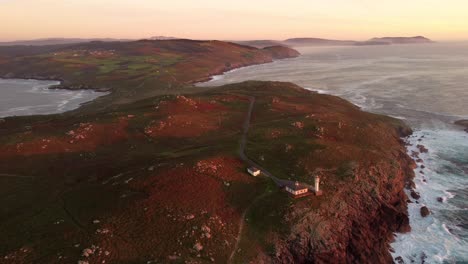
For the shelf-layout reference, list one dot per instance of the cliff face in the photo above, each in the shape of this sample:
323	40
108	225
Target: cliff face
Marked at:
281	52
356	222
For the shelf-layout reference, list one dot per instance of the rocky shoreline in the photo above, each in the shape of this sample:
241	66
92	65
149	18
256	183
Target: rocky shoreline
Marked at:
360	222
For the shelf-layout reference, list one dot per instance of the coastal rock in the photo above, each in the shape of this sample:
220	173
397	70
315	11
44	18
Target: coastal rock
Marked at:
440	199
399	260
415	195
463	123
404	130
422	148
359	231
425	211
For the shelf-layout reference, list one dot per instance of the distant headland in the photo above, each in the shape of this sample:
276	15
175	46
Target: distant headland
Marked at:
301	42
292	42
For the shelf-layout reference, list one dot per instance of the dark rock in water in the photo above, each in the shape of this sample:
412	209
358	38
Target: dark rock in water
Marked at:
423	258
425	211
422	149
422	172
419	160
440	199
422	166
410	185
409	201
415	195
399	260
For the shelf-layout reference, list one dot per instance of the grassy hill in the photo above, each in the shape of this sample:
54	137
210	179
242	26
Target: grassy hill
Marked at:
148	175
132	70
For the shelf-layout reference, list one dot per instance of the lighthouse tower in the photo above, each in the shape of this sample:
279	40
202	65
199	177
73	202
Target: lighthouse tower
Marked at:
318	192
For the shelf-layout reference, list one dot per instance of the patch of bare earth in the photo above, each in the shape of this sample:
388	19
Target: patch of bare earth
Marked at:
186	117
81	137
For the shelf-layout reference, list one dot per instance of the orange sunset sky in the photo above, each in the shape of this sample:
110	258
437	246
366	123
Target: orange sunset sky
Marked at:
233	20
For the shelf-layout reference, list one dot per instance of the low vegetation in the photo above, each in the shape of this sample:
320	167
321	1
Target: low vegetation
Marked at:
157	178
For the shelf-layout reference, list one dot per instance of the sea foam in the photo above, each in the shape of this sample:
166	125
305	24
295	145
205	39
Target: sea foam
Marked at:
436	238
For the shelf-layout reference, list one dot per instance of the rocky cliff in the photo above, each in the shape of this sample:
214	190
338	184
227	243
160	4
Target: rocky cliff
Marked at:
354	226
364	202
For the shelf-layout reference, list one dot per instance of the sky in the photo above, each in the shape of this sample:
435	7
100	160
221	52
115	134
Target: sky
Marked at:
234	19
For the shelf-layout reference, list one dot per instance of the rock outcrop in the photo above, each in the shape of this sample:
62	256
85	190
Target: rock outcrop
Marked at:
463	123
356	223
425	211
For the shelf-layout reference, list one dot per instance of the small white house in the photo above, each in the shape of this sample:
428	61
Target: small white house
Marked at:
253	171
296	189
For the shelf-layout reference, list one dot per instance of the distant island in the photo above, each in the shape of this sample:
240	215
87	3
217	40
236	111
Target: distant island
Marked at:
302	42
402	40
317	42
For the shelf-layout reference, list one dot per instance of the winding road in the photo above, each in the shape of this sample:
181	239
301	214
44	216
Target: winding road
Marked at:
243	142
243	156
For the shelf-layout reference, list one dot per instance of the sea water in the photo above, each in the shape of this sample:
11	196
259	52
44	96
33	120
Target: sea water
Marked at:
33	97
427	86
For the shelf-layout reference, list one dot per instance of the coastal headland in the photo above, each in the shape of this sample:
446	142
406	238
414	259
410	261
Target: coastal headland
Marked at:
151	172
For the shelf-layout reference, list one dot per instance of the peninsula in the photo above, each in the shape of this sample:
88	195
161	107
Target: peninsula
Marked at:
156	171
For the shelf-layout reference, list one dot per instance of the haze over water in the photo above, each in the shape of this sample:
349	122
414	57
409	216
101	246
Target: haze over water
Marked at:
427	85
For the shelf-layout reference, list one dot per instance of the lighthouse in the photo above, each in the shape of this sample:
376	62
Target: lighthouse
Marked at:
318	192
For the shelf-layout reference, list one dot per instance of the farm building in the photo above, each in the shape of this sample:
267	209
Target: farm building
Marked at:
296	189
253	171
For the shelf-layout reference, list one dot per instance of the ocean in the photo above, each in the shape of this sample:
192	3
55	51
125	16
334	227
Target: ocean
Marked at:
427	86
33	97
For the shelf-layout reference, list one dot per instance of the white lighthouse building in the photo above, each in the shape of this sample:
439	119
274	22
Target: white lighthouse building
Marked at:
318	192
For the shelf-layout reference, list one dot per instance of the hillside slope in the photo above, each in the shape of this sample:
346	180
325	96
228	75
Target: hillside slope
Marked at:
158	178
133	69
